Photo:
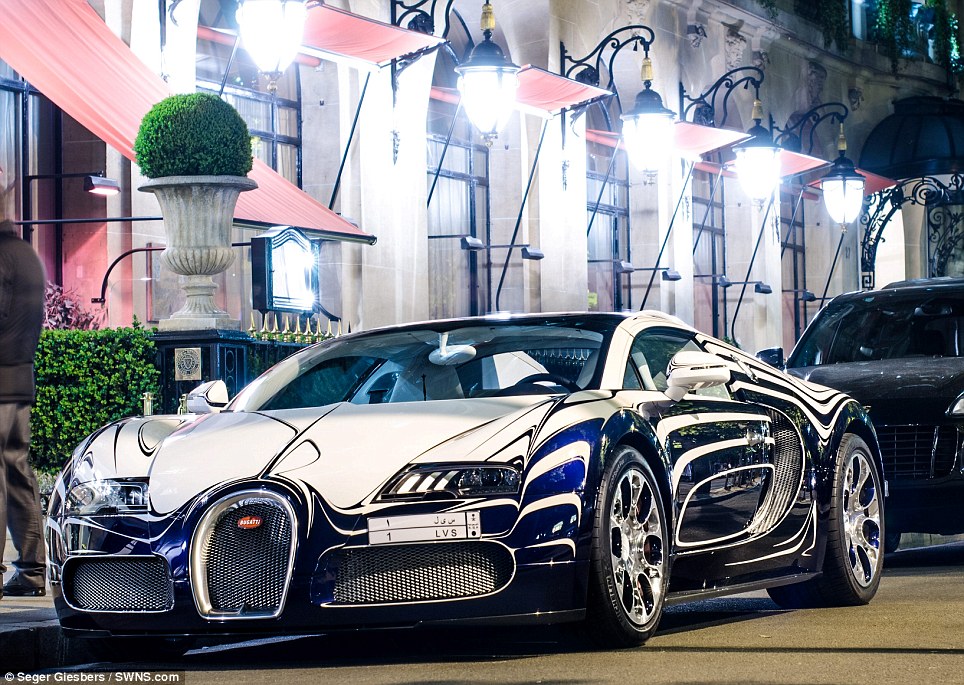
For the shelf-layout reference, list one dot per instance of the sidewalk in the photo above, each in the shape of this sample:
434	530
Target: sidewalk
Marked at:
29	632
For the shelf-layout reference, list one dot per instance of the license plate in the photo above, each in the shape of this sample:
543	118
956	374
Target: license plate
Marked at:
463	525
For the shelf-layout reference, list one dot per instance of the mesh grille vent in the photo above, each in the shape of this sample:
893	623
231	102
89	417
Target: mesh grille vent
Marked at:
247	568
410	573
119	584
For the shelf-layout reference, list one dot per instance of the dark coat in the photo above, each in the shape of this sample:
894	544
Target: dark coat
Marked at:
22	283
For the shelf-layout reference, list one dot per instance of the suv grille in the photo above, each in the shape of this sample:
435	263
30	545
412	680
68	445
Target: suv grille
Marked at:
411	573
918	452
119	584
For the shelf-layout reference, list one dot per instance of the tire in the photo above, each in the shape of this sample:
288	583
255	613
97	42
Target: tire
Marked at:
854	557
891	542
629	570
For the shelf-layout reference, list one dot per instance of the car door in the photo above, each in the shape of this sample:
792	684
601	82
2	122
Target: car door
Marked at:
721	449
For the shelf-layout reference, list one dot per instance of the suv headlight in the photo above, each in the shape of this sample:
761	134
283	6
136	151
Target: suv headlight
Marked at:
454	481
106	497
957	407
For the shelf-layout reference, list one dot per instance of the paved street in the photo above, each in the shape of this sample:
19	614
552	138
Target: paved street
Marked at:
913	632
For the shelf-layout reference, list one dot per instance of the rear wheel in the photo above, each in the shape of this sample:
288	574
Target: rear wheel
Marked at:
629	571
854	557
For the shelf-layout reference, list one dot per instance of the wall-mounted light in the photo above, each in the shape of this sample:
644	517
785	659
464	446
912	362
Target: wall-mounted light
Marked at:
101	185
843	187
648	126
758	286
758	159
473	244
272	31
804	295
488	81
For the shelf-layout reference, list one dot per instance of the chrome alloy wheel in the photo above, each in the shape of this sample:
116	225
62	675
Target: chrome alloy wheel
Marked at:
637	560
861	509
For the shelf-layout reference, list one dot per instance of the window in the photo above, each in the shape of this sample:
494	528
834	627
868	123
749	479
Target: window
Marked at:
607	202
458	204
274	119
794	245
649	360
709	253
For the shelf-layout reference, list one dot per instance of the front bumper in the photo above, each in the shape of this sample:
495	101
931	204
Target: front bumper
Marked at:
542	576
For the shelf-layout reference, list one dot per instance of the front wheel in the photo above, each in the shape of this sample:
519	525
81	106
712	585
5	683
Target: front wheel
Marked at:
629	569
854	557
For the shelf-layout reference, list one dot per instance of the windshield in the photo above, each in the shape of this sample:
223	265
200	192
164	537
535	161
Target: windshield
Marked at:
443	363
875	327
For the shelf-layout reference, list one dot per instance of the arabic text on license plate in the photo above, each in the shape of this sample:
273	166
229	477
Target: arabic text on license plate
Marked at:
461	525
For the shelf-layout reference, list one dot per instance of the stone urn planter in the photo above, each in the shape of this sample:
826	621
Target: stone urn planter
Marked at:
196	150
198	214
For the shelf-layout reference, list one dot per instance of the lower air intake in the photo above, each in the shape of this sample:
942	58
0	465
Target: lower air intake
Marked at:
412	573
119	584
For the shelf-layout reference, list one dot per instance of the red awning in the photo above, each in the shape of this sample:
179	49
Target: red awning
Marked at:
689	140
547	93
92	75
334	34
540	92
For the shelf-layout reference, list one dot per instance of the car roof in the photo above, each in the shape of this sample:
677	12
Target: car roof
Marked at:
910	289
613	319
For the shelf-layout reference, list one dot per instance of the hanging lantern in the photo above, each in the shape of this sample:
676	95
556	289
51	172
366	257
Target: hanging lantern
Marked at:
648	126
271	32
843	187
488	82
758	160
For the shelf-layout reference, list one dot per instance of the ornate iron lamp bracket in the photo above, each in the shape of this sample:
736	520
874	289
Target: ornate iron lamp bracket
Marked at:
702	109
791	137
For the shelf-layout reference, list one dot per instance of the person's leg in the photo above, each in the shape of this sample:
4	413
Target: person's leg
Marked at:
23	504
7	414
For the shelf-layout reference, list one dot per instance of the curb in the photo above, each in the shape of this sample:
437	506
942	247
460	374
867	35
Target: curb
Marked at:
37	646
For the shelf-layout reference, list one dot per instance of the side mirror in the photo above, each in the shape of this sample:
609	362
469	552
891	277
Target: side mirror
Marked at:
208	398
772	356
691	370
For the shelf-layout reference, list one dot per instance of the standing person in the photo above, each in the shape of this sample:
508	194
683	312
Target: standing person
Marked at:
21	317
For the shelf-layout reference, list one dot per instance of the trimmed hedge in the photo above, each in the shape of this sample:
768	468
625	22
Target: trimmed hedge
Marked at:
86	379
195	134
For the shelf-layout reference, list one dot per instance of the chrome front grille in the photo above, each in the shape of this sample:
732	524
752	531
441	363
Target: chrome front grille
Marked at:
412	573
119	584
918	452
242	557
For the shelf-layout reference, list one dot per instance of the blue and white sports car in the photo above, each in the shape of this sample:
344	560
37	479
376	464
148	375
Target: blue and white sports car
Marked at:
540	468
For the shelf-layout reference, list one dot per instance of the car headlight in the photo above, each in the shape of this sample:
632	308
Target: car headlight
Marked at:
106	497
454	481
957	407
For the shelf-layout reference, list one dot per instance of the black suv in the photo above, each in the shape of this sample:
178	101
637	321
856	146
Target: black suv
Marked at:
900	352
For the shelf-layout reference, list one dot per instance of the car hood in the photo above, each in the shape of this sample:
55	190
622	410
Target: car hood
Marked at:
896	390
345	452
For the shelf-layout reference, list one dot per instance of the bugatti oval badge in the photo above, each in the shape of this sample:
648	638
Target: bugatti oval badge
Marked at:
249	522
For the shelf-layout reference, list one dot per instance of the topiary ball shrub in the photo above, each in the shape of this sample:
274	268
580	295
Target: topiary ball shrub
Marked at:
194	134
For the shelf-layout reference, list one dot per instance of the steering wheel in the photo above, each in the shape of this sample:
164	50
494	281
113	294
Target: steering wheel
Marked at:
534	378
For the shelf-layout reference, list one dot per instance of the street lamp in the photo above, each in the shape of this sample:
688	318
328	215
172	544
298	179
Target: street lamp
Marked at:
758	159
488	82
272	31
843	187
648	126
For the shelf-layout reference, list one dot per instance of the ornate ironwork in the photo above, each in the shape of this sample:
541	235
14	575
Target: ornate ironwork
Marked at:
943	233
791	137
589	69
419	19
703	107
